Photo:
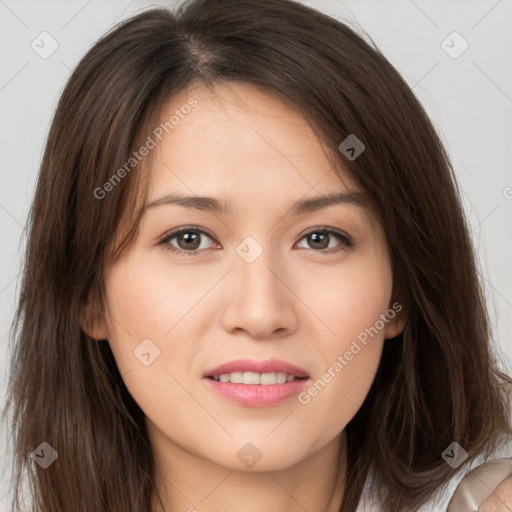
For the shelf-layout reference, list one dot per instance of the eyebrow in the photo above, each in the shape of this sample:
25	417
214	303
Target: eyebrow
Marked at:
302	206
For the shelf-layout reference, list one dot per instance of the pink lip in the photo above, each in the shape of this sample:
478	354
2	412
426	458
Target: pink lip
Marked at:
257	395
251	365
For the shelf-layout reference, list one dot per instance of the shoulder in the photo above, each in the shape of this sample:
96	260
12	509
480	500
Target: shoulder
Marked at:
470	485
488	487
501	498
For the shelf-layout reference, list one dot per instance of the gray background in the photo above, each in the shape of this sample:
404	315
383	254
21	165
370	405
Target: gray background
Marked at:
469	99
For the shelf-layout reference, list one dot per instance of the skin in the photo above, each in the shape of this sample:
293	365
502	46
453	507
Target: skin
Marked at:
294	302
500	500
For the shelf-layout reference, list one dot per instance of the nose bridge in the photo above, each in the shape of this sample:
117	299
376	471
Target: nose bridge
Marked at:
258	302
254	267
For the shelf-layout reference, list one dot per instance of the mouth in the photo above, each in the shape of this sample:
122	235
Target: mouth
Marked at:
257	383
252	371
254	378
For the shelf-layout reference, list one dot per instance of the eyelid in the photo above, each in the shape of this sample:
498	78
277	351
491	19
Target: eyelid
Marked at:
321	229
174	232
177	231
346	239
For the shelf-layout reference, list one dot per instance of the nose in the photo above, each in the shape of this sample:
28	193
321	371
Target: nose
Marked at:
259	299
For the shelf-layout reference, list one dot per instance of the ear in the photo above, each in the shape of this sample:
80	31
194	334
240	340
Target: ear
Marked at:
397	318
91	318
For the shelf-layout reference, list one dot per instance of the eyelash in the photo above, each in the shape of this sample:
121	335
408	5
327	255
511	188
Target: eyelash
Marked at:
346	240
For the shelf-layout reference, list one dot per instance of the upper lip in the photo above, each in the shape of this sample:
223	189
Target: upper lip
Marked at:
252	365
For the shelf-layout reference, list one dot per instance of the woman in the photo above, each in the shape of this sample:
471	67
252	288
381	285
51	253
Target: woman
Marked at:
266	371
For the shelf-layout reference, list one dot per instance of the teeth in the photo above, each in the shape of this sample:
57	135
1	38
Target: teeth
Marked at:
264	379
237	377
250	378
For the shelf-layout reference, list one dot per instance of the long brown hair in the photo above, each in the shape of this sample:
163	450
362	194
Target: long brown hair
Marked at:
438	382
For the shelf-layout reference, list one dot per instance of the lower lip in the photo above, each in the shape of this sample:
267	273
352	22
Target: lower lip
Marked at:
257	395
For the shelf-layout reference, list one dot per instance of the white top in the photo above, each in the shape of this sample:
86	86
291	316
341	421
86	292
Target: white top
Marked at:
440	501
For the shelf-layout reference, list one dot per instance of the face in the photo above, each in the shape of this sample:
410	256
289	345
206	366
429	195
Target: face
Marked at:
248	275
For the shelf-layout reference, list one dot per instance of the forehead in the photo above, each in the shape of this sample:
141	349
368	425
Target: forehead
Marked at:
239	136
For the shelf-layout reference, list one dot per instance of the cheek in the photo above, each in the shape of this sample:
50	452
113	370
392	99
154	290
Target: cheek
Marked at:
349	353
348	299
142	307
148	307
148	298
155	329
350	363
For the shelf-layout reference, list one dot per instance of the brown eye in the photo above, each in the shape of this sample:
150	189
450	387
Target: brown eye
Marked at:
186	241
320	239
